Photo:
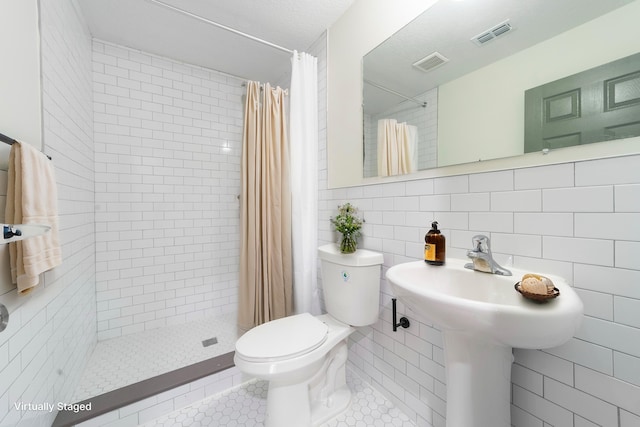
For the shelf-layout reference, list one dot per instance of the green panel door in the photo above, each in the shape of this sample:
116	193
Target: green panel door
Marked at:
599	104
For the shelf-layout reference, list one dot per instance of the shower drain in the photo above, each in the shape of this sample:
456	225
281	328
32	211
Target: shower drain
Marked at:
209	342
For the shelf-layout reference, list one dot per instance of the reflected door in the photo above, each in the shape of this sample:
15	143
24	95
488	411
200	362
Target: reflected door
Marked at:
599	104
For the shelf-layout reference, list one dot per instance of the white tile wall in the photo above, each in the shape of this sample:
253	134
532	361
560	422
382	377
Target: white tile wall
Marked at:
50	335
167	140
577	220
593	379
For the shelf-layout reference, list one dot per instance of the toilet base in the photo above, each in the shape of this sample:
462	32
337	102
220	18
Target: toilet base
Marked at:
298	412
340	400
288	405
313	402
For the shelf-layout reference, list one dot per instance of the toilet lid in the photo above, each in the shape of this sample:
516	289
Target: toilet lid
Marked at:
282	339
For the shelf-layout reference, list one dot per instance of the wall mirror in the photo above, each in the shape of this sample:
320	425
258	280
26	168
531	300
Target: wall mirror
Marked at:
449	88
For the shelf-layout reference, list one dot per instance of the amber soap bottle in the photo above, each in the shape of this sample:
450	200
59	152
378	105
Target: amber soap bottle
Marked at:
434	246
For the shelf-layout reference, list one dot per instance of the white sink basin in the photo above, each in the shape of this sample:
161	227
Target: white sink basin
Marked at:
456	298
482	317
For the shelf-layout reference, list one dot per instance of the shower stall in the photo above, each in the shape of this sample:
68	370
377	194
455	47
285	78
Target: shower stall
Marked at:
167	141
147	154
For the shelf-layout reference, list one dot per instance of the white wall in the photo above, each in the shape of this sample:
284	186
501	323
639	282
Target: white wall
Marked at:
20	109
366	24
167	141
503	83
44	348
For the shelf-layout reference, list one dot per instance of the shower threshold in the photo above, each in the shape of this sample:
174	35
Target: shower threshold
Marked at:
132	393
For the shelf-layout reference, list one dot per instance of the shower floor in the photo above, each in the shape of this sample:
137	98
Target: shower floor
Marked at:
125	360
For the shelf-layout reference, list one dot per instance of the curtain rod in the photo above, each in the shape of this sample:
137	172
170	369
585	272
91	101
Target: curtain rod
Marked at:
286	91
423	104
224	27
10	141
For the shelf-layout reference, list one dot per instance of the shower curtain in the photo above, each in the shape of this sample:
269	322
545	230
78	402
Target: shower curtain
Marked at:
303	133
265	283
397	147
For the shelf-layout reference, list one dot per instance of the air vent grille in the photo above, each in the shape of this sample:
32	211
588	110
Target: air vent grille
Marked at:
430	62
493	32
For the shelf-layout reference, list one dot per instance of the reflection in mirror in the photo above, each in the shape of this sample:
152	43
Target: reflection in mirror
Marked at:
599	104
473	61
421	121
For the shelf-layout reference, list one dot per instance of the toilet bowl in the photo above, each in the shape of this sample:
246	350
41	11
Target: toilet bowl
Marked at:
303	356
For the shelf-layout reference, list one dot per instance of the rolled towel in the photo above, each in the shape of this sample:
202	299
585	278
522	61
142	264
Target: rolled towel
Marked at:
533	286
548	283
536	284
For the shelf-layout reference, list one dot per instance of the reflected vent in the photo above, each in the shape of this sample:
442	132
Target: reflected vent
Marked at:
430	62
492	33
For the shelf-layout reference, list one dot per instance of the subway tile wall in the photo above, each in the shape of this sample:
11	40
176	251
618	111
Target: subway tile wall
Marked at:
559	219
167	140
51	333
578	220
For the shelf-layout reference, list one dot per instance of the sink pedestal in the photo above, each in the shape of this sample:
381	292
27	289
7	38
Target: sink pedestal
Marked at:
478	381
482	318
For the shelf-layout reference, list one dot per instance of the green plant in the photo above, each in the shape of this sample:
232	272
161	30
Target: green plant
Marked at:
348	223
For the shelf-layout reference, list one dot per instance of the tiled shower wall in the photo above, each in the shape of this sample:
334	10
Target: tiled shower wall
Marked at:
167	140
578	220
45	347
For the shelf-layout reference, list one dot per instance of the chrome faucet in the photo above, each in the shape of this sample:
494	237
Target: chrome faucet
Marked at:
482	258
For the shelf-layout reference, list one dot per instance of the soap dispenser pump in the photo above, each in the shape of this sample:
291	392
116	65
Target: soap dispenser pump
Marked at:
434	247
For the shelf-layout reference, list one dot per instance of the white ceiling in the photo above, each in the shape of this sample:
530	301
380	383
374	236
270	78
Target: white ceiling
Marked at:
144	25
296	24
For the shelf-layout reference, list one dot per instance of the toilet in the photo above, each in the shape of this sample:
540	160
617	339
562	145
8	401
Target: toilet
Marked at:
303	357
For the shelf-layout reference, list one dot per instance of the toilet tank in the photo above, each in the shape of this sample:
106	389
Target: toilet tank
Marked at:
351	284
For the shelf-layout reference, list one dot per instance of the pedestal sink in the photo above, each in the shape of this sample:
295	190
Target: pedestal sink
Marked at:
482	318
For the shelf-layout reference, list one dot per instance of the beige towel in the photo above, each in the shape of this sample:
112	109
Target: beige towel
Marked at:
32	198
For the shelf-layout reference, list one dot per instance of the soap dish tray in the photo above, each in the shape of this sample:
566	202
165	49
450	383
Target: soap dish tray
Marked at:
537	297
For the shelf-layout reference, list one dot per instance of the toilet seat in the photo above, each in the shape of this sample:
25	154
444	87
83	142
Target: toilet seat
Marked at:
282	339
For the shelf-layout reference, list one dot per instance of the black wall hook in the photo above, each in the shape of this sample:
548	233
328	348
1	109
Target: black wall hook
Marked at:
404	322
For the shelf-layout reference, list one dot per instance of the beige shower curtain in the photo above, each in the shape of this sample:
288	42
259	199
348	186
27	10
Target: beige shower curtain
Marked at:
265	250
396	148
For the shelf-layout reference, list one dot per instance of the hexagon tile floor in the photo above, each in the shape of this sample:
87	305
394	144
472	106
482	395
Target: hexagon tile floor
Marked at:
124	360
245	406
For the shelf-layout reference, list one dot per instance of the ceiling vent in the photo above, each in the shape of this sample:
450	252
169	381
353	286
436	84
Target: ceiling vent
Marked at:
492	33
430	62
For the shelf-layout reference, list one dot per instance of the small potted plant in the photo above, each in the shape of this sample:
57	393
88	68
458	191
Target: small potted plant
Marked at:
348	223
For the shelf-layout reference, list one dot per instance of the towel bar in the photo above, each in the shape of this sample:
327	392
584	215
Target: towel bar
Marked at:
15	232
10	141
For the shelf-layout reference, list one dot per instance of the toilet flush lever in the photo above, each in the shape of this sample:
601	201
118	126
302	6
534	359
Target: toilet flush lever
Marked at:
404	322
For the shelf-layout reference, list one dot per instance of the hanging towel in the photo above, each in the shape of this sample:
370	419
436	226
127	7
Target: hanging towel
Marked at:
32	198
